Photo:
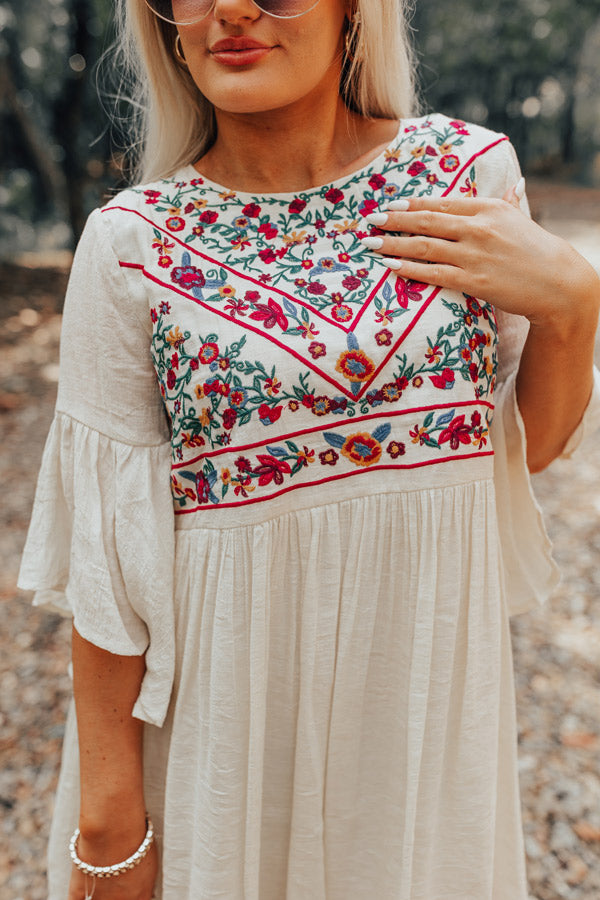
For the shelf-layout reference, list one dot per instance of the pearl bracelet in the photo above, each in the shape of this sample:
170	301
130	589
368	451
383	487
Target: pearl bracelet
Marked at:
107	871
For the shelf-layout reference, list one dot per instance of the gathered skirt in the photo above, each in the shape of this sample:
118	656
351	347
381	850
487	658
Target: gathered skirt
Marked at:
342	724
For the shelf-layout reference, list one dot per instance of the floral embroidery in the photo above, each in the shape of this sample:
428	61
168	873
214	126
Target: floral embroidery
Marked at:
290	242
287	354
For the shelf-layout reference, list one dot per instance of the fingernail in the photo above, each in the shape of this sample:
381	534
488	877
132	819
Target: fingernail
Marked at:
520	188
372	243
398	205
392	262
377	218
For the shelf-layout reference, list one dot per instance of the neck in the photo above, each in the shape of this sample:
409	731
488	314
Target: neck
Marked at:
308	143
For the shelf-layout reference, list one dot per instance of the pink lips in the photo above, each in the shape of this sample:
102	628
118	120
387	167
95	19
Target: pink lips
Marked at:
239	51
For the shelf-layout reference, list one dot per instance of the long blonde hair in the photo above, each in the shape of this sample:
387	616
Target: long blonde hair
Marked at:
171	124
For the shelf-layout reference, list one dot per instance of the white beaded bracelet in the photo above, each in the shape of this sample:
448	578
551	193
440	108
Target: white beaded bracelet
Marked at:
108	871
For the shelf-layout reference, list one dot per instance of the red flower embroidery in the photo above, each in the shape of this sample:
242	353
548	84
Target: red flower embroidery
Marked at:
341	313
395	449
188	277
252	210
269	414
269	231
271	469
209	216
456	433
208	353
334	195
317	349
175	223
270	314
449	163
297	206
377	181
267	255
351	283
384	337
416	168
443	381
408	290
367	207
243	464
229	417
328	457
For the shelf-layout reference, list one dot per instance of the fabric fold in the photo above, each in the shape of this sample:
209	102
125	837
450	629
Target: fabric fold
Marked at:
100	548
530	573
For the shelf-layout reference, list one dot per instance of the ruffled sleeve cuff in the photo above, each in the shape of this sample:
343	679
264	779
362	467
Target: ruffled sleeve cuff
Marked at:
589	424
100	547
530	573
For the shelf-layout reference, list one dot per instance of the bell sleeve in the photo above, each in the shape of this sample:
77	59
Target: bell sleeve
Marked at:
100	544
530	572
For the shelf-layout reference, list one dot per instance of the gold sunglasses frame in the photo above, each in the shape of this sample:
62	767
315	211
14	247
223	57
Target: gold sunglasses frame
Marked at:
212	5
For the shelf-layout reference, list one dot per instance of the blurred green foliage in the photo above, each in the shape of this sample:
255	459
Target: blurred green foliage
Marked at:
530	68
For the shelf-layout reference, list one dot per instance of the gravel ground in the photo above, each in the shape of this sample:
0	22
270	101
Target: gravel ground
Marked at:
556	649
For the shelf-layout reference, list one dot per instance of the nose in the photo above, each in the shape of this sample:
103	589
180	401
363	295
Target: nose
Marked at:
233	11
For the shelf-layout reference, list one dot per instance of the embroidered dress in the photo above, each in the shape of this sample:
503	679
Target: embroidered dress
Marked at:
299	483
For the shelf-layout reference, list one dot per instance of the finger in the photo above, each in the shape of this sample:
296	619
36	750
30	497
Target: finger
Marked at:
512	194
456	206
426	222
452	277
419	248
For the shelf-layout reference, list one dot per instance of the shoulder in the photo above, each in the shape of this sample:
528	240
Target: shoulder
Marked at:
460	144
137	211
446	131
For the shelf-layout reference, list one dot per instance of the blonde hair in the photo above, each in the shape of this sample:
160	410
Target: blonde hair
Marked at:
171	124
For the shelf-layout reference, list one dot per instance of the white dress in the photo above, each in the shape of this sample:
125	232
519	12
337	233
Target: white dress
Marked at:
299	483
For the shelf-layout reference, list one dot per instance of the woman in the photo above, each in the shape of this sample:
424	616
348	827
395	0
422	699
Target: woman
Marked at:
291	645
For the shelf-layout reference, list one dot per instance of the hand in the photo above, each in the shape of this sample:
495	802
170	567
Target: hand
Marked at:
490	249
136	884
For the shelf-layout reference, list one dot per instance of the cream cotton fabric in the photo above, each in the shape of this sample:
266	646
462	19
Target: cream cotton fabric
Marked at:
329	698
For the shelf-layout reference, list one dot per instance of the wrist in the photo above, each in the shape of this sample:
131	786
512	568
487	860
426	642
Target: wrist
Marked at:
106	831
573	312
95	861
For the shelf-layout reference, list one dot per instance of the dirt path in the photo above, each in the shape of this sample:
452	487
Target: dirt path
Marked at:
556	650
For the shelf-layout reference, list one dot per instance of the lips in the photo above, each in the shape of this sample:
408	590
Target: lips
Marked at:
237	52
238	44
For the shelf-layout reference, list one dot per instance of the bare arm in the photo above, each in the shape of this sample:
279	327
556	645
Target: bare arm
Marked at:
555	379
112	812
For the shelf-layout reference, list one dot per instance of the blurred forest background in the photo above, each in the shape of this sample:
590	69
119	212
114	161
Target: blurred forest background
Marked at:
530	68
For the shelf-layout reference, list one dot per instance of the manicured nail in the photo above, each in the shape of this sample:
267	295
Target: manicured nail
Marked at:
377	218
398	205
372	243
520	188
392	262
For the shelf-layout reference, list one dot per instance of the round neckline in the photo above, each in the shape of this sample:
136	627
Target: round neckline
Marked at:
190	172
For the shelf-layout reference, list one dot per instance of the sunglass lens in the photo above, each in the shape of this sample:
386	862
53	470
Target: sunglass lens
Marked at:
186	12
181	12
286	9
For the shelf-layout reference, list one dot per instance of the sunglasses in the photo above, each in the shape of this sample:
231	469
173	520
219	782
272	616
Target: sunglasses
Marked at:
188	12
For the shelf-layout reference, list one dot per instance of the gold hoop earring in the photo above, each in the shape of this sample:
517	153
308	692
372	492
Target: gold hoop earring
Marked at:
179	52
